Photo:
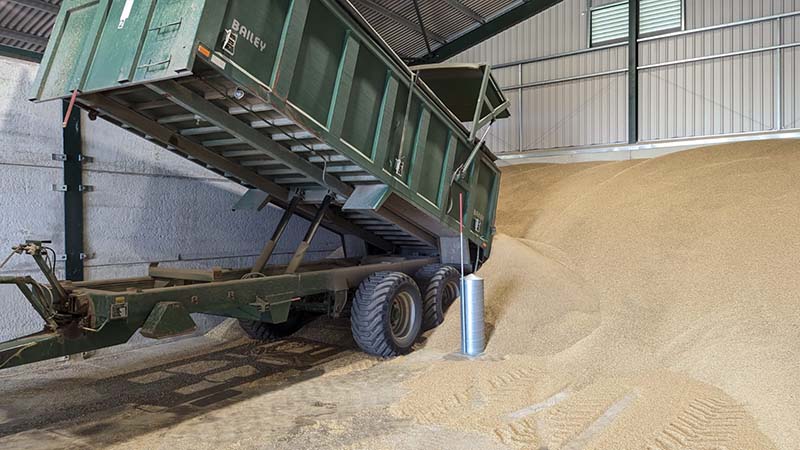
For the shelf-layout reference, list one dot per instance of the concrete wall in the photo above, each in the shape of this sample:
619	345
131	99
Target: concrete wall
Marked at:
148	205
747	93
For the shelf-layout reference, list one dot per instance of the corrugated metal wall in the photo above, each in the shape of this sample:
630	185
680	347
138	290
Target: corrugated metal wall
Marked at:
581	100
718	96
703	13
603	2
791	69
791	74
579	112
561	28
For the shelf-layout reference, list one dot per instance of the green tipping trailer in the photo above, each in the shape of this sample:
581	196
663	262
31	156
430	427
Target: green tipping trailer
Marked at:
303	103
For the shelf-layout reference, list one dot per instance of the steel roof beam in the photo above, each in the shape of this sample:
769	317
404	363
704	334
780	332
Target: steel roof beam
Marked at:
18	53
422	26
400	20
524	10
40	5
24	37
466	10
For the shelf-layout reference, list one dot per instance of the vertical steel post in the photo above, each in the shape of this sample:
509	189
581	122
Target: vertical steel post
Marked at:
519	109
633	71
297	258
269	248
461	251
778	80
73	197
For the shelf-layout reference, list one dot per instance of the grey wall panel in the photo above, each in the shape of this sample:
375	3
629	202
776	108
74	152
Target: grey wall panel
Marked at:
790	69
596	3
570	66
720	96
29	134
791	92
506	76
581	112
703	13
736	94
731	95
596	109
746	37
504	134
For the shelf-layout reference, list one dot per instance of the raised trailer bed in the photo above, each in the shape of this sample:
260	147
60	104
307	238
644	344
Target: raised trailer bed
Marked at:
298	100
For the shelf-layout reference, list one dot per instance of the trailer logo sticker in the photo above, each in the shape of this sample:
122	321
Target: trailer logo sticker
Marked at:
251	37
126	12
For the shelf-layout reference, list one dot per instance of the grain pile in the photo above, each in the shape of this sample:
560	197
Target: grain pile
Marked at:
636	304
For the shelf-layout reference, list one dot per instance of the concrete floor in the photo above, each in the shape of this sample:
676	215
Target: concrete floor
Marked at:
314	390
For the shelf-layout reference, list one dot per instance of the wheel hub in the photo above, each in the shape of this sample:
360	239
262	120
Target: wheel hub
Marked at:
401	316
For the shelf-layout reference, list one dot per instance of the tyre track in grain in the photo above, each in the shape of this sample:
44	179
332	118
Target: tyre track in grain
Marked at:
706	422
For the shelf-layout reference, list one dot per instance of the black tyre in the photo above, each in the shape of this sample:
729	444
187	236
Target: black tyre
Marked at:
264	331
439	285
386	316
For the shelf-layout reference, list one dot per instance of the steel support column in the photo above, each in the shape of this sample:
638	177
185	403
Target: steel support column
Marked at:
73	196
633	71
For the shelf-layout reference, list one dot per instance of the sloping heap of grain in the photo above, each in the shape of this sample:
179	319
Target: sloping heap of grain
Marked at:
643	304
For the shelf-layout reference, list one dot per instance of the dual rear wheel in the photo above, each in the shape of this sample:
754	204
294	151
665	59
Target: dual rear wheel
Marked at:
389	310
386	317
441	286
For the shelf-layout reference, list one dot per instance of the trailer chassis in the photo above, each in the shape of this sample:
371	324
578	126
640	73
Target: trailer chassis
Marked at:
85	316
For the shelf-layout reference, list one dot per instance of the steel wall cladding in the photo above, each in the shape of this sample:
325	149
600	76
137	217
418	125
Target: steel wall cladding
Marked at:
561	28
736	94
722	96
582	112
596	3
703	13
790	87
505	133
717	96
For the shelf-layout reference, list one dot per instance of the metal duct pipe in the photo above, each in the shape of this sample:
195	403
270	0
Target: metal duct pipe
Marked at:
473	338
